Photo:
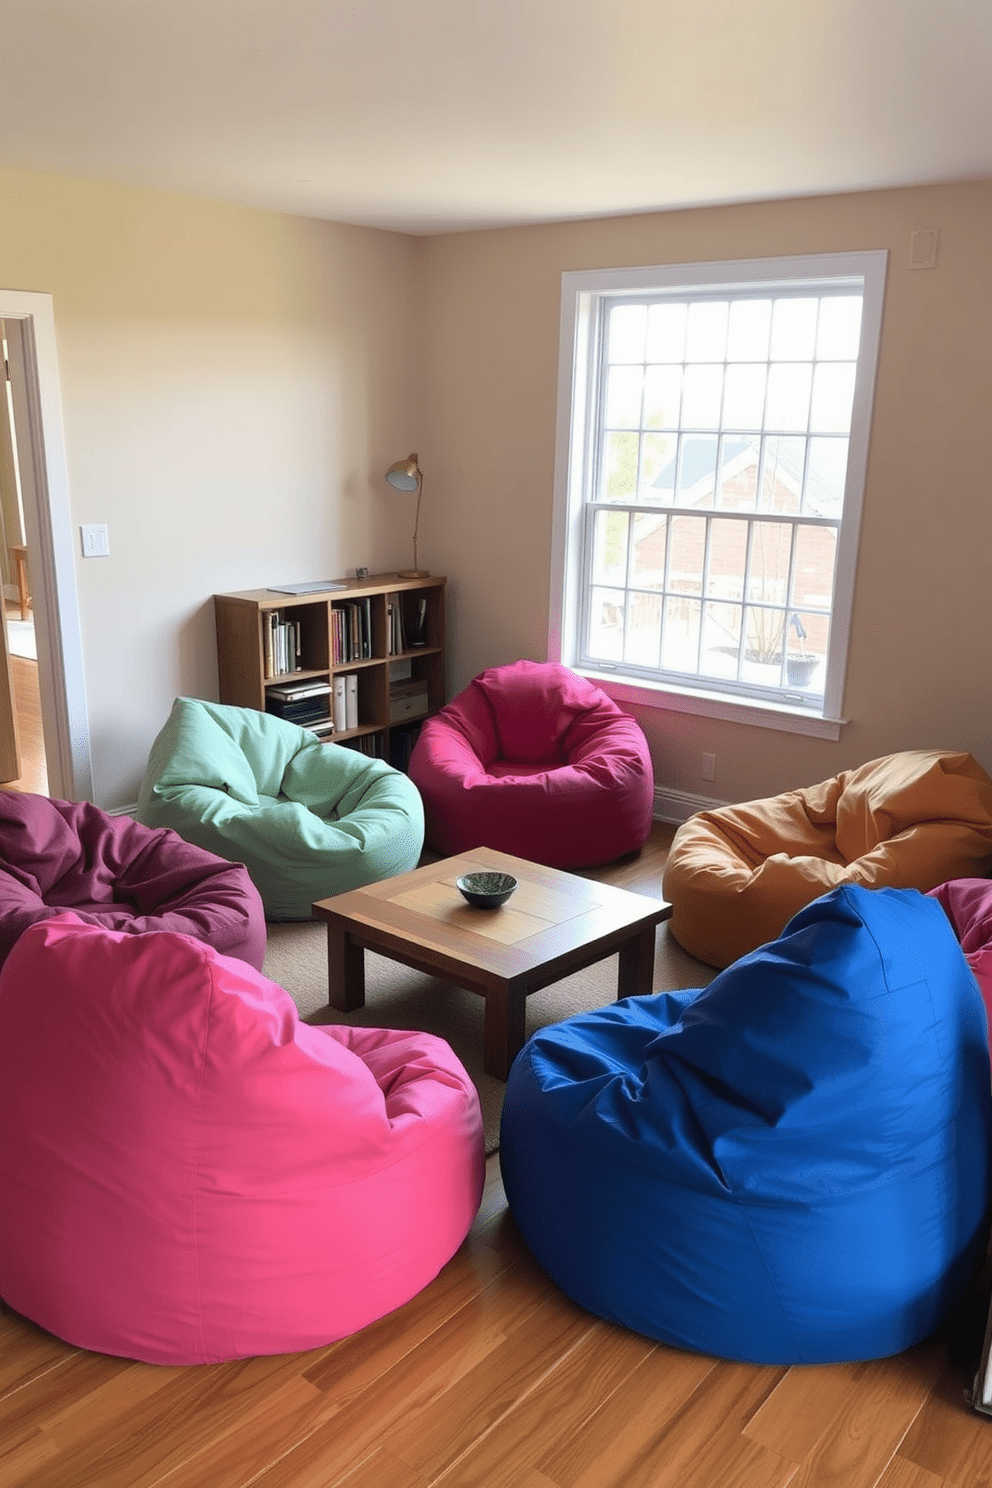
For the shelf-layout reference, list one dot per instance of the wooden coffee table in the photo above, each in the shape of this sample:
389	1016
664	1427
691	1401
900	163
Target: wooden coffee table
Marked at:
555	923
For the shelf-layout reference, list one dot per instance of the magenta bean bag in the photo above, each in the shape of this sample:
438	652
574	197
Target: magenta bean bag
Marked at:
534	760
967	902
189	1174
112	871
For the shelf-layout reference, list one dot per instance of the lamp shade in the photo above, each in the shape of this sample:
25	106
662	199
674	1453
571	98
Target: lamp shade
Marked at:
405	475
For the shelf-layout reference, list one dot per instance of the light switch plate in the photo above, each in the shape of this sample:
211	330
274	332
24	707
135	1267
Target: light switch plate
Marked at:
96	541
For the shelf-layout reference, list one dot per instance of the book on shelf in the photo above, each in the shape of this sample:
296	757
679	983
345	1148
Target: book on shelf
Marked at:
306	711
417	625
401	742
339	706
293	692
396	641
370	744
282	642
322	727
351	631
351	700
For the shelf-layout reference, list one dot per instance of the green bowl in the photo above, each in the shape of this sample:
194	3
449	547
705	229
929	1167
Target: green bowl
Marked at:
486	890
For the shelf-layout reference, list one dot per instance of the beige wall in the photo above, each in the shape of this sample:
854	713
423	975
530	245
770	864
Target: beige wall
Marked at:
233	385
235	382
920	670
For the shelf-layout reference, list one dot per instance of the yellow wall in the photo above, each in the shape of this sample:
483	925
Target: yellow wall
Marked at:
920	670
233	383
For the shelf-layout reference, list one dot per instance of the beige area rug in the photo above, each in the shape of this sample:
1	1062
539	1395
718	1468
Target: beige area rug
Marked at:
396	997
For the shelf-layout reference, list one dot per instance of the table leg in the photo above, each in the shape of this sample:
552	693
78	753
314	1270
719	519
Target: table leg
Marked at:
506	1019
345	971
635	977
19	553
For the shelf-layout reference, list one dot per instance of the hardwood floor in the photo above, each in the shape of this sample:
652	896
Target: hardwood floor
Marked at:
491	1378
27	707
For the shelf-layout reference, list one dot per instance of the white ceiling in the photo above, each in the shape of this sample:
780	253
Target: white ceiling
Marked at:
430	115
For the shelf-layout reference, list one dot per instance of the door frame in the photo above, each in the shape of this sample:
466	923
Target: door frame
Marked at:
34	376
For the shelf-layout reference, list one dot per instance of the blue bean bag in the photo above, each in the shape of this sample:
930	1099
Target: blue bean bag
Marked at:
790	1166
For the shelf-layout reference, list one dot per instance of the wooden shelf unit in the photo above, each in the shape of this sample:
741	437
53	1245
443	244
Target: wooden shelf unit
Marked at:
242	620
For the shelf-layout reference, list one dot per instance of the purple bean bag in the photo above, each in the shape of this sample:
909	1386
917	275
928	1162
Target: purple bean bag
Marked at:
188	1173
112	871
534	760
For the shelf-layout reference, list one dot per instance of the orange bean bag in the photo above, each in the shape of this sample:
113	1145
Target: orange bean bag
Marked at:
736	876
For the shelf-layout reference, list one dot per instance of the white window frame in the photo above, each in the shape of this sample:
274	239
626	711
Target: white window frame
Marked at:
583	296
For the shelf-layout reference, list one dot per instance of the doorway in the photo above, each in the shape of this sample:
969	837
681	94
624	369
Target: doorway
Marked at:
24	758
35	403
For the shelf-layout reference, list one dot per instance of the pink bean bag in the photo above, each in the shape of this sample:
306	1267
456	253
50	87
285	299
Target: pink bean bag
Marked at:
112	871
967	902
534	760
189	1174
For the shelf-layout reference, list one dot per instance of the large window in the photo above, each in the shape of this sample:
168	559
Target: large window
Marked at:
713	438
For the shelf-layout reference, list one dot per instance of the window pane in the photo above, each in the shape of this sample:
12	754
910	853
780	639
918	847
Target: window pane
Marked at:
628	325
794	330
826	473
650	536
701	397
661	486
643	642
816	562
833	397
782	475
662	397
666	332
685	564
609	560
721	640
697	471
839	333
618	481
748	330
763	645
805	651
623	397
657	454
744	396
728	557
680	636
787	406
739	474
706	331
768	565
606	624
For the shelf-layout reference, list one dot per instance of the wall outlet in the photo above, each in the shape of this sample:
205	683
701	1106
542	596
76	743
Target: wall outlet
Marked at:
95	539
709	767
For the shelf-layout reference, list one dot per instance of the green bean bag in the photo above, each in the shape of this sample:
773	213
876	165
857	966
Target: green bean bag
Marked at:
307	819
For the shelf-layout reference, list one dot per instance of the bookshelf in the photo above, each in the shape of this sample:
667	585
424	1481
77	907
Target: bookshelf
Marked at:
367	655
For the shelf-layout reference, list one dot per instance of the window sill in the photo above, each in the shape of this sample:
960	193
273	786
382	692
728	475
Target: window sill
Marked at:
783	716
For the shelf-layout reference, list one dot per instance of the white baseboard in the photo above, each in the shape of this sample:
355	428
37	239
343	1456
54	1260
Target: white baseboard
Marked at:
669	806
678	806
